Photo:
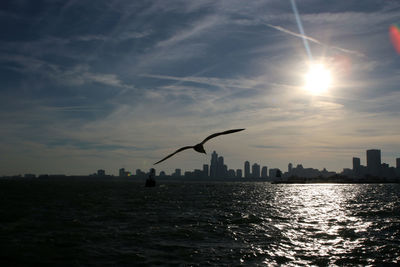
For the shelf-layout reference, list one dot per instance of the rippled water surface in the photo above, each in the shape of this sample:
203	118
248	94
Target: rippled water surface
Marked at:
122	223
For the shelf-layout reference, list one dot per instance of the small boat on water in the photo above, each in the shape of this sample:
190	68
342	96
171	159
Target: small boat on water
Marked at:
150	181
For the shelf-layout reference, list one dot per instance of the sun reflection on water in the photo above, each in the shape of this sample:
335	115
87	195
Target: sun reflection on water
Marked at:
317	224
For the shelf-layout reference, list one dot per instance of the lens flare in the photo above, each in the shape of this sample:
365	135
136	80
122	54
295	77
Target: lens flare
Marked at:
301	29
394	32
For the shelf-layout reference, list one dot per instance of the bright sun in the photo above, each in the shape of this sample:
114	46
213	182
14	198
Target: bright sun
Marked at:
318	79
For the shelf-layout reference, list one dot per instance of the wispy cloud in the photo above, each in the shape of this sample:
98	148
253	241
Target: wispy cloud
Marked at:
78	75
193	30
106	79
118	37
92	145
91	37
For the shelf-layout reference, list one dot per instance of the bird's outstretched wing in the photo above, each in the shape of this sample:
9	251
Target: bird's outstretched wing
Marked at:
170	155
221	133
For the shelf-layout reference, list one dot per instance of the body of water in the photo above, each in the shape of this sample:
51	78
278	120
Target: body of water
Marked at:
122	223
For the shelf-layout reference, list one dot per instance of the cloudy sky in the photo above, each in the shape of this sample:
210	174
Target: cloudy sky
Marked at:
109	84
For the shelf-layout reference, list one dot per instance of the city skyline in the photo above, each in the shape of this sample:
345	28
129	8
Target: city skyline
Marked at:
217	169
115	84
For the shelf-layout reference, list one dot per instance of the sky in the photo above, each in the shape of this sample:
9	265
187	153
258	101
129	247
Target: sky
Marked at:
109	84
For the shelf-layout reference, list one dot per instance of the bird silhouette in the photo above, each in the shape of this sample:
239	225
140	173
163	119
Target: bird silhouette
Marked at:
199	147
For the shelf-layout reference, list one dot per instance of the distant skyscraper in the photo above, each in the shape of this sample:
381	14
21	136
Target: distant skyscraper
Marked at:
122	172
356	166
255	170
214	164
101	173
398	163
225	171
264	172
239	173
290	167
374	161
220	167
247	169
205	170
178	172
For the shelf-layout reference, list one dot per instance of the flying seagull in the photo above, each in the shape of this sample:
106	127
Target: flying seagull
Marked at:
199	147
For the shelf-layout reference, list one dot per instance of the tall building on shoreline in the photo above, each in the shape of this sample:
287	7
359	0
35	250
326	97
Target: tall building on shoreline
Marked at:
214	164
220	167
247	169
374	162
264	172
205	170
356	166
255	171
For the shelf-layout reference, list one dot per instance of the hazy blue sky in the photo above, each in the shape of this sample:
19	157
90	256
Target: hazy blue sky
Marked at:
109	84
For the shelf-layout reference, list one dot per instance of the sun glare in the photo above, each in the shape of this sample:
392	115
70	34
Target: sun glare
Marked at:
318	79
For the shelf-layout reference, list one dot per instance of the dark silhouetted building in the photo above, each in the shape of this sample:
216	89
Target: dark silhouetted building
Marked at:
220	167
214	164
231	173
177	173
347	172
290	167
225	171
264	172
205	170
356	166
387	171
300	171
101	173
140	173
255	170
188	174
374	162
398	163
275	173
239	173
123	173
247	169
